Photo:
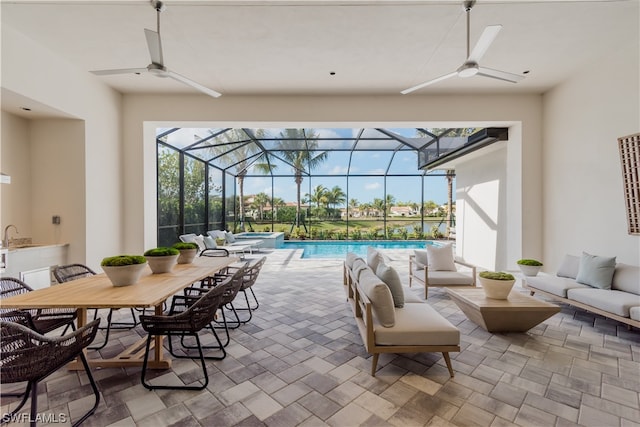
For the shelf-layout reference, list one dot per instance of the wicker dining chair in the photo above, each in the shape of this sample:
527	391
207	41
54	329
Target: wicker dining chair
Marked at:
40	320
252	271
70	272
185	323
28	356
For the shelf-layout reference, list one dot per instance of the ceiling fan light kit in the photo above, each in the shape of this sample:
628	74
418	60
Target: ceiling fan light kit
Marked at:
157	67
471	66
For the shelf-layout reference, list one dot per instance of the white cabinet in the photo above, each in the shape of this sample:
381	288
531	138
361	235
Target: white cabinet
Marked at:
33	264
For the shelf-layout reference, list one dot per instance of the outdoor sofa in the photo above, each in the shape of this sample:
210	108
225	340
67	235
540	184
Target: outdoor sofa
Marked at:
594	283
390	320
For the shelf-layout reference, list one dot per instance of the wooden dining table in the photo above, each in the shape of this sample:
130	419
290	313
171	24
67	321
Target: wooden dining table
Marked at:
151	291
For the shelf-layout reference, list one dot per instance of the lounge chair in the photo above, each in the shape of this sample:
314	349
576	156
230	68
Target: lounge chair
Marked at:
230	240
204	243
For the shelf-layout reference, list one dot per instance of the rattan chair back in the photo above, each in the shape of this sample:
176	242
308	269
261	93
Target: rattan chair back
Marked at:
67	273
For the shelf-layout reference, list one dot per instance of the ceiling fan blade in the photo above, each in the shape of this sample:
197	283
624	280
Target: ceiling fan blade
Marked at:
193	84
155	46
500	75
488	35
430	82
119	71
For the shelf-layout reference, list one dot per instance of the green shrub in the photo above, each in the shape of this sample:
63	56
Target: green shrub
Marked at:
121	260
496	275
162	251
185	246
532	262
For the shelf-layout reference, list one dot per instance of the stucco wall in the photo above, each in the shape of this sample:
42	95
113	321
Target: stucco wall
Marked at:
583	205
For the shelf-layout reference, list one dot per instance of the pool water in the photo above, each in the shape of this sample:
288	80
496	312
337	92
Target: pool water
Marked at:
339	249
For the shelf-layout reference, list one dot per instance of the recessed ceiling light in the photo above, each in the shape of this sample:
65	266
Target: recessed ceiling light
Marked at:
526	72
25	108
332	73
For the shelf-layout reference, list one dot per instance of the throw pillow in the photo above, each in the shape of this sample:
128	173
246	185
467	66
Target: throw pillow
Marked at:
200	241
422	259
210	242
441	258
373	257
188	238
230	237
569	267
380	297
391	278
217	234
596	271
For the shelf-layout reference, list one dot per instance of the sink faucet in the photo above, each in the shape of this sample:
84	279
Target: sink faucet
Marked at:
5	240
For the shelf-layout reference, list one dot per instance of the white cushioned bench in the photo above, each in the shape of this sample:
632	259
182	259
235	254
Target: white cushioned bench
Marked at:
385	327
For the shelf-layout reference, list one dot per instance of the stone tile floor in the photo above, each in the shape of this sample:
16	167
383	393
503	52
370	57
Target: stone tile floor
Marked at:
301	362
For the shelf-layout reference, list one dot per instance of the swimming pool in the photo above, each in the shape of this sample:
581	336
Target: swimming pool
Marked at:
339	248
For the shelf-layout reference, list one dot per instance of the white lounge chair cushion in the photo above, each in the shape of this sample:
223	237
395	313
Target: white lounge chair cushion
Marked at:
417	324
217	234
616	302
210	242
553	284
192	238
422	259
596	271
445	278
440	258
634	313
230	237
380	296
351	257
391	278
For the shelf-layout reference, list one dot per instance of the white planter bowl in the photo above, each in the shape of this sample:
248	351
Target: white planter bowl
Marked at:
496	289
161	264
187	256
124	275
529	270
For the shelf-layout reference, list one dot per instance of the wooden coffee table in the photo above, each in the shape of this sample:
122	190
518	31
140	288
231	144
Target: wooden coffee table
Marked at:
518	313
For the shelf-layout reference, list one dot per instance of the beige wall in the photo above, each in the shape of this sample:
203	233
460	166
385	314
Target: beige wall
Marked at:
583	207
94	135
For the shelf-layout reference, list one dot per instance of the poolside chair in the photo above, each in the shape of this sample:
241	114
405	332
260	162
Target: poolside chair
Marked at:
252	268
199	313
40	320
30	357
230	238
239	249
67	273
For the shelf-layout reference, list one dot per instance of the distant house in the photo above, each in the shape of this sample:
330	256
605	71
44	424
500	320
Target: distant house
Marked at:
402	211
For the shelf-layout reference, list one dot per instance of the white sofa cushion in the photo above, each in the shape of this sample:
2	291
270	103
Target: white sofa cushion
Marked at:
553	284
391	278
634	313
569	267
626	278
411	298
615	302
351	257
358	266
440	258
380	296
417	324
373	258
596	271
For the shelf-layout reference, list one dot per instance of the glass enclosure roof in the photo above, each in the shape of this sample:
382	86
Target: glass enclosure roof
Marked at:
288	151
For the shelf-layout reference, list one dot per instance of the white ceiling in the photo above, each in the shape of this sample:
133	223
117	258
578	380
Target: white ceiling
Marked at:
290	47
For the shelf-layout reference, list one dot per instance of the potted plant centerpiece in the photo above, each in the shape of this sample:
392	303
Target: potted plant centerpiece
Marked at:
123	270
188	252
162	259
496	285
529	267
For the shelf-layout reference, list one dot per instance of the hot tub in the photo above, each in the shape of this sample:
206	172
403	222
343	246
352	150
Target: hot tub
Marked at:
269	240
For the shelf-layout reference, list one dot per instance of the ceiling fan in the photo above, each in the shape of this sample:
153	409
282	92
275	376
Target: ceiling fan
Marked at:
157	67
471	67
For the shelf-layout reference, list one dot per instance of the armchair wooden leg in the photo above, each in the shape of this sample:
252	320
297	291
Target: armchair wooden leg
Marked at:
447	360
374	364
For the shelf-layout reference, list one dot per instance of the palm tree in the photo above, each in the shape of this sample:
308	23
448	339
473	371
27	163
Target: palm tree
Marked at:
336	196
319	196
389	201
241	157
353	205
378	204
261	199
301	157
276	203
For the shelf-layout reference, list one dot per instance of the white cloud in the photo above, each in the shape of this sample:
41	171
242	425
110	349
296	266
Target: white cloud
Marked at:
373	186
337	170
